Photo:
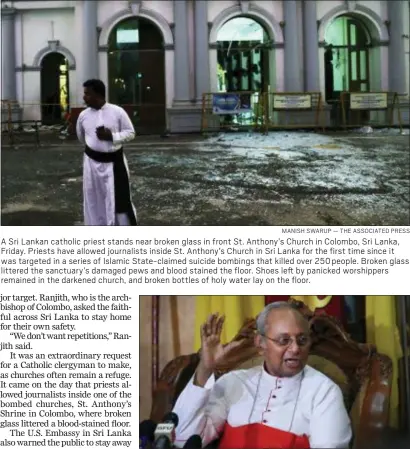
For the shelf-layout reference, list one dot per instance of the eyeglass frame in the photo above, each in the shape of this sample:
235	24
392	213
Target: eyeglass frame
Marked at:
276	340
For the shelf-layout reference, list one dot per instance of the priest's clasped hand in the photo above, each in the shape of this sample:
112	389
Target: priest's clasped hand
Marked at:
103	133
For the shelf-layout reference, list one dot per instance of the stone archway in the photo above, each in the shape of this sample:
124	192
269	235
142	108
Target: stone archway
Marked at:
260	15
168	44
54	82
54	46
144	13
347	57
273	45
368	23
376	26
243	59
136	72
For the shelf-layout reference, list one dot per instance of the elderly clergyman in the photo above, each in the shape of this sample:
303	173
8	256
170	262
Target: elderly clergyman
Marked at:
282	404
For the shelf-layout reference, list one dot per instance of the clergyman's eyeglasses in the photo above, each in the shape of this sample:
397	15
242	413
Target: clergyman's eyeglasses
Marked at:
286	341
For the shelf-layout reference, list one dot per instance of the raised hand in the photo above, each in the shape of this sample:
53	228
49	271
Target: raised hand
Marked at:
211	347
213	353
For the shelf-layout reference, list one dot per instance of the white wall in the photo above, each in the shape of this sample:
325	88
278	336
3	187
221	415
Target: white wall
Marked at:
375	5
299	12
73	82
191	49
275	8
32	96
77	88
170	76
108	9
19	34
215	7
324	6
165	8
34	4
37	31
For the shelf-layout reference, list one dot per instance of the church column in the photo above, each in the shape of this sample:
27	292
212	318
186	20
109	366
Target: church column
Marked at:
397	68
181	52
8	55
311	46
202	81
89	44
293	82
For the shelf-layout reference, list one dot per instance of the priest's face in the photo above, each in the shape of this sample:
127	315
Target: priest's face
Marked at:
91	98
286	343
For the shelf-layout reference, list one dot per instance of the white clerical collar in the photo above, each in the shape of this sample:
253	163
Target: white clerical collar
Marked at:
266	377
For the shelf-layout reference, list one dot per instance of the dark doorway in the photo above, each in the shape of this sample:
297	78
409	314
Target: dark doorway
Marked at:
136	68
54	88
346	57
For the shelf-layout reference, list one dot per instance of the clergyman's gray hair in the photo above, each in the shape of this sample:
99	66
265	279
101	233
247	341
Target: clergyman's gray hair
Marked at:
263	316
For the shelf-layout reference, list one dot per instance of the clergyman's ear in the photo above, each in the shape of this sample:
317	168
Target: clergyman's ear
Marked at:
259	343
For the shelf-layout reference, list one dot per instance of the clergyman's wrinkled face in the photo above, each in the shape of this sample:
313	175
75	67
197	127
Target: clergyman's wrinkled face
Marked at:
286	343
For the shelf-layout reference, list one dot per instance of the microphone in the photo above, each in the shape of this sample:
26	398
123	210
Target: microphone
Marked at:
147	429
193	442
165	431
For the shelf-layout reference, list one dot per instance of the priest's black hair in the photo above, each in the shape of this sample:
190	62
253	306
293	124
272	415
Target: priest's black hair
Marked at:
96	85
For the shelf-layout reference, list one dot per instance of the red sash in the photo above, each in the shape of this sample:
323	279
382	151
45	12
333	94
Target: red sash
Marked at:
259	436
